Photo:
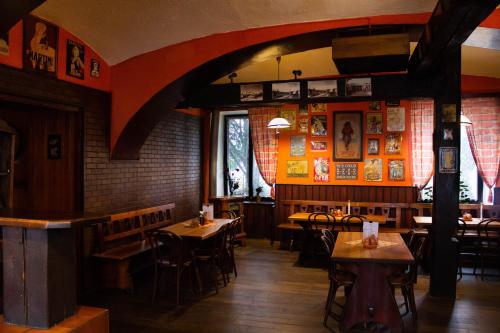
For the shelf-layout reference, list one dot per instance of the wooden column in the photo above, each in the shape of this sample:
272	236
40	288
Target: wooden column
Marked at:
446	182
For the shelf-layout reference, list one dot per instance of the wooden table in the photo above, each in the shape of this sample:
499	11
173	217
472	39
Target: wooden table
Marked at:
371	297
304	217
426	221
199	232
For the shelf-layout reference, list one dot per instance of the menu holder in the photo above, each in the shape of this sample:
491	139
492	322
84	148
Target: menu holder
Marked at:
370	235
208	210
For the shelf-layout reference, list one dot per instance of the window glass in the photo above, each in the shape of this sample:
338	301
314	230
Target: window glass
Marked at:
468	169
237	136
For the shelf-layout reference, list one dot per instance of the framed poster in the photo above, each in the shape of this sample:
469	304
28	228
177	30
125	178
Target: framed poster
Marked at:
298	145
317	107
374	123
449	113
251	92
303	125
4	44
286	90
322	88
447	160
318	126
95	68
348	136
321	170
54	147
297	169
358	86
393	143
395	119
291	116
318	146
346	171
373	146
303	109
373	170
75	59
40	46
396	170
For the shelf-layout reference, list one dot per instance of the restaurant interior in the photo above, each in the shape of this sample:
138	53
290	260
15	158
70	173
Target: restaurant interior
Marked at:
250	166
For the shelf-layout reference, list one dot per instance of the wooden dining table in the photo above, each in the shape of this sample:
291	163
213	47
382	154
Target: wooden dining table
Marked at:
200	232
371	297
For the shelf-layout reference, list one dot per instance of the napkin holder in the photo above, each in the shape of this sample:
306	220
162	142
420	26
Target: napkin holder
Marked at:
208	209
370	235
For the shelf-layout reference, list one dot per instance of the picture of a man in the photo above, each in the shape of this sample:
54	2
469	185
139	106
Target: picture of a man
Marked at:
4	44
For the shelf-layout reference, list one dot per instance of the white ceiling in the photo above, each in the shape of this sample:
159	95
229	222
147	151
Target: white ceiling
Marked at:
120	29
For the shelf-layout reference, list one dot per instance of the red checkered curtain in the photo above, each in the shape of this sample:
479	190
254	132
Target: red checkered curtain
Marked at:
265	143
484	136
422	126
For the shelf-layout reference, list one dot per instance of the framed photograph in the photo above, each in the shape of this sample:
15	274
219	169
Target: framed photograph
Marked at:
393	143
374	123
348	136
395	119
321	170
373	146
449	113
396	170
298	145
358	87
447	160
373	170
75	59
95	68
318	125
286	90
346	171
297	169
317	107
317	146
303	109
374	105
54	147
4	44
303	125
291	116
251	92
40	46
322	88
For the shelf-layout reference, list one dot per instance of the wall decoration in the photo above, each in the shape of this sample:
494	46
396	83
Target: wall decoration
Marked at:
322	88
449	113
317	107
374	105
358	87
395	119
75	59
40	45
303	109
447	160
95	68
393	143
393	102
448	134
251	92
298	145
374	123
322	170
348	136
297	169
318	126
4	44
318	146
396	170
373	146
373	170
54	147
303	125
346	171
286	90
291	116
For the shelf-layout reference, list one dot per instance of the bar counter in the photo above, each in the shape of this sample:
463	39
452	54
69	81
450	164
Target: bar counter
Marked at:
46	220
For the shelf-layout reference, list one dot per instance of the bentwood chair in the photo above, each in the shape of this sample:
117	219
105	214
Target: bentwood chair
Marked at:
489	242
467	246
352	222
316	222
234	229
240	236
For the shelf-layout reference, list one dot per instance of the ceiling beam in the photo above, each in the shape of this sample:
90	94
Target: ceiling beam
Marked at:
12	12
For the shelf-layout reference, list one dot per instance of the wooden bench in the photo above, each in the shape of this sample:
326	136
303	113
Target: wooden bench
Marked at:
122	245
491	211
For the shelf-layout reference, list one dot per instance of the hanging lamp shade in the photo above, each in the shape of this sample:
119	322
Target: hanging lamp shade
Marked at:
278	123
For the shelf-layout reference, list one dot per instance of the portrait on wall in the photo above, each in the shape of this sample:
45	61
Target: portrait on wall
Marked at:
317	107
393	143
358	87
447	160
317	146
396	170
303	125
4	44
318	126
54	147
322	88
374	123
395	119
373	146
75	59
40	46
348	136
291	116
297	169
298	145
373	170
95	68
251	92
321	170
346	171
286	90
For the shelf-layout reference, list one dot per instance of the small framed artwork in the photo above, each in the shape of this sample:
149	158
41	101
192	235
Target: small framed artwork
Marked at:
95	68
374	105
291	116
358	87
393	143
40	45
318	126
251	92
395	119
373	170
297	169
318	146
321	170
346	171
348	136
449	113
447	160
373	146
4	44
303	125
396	170
54	147
303	110
374	123
298	145
322	88
75	59
286	90
317	107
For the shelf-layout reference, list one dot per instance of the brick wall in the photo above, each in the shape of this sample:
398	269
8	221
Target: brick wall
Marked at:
168	170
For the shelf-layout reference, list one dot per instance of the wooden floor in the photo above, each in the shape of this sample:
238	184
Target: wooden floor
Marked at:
272	294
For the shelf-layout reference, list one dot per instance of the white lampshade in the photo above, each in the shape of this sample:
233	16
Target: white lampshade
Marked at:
278	123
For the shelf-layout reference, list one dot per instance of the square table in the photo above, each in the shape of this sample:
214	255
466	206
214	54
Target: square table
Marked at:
201	232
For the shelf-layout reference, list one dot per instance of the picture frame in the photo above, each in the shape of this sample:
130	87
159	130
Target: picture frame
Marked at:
361	86
4	44
374	123
303	125
346	171
449	113
317	107
251	92
374	105
40	46
303	109
348	136
396	170
372	171
322	88
286	90
447	160
321	170
395	119
319	125
319	146
75	59
393	143
373	146
297	145
291	116
297	169
95	68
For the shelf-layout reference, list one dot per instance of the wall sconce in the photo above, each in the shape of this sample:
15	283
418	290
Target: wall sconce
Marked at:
232	76
296	72
277	123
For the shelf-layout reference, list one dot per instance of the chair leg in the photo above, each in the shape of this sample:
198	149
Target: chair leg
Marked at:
413	305
198	276
406	300
329	294
234	264
330	301
291	240
178	285
214	276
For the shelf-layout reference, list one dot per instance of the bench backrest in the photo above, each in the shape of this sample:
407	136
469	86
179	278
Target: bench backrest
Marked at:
492	211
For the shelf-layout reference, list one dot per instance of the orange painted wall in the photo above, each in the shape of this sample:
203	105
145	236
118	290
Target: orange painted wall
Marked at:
284	148
479	85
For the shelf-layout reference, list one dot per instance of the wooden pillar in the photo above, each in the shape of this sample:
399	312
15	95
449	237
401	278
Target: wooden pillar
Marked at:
446	180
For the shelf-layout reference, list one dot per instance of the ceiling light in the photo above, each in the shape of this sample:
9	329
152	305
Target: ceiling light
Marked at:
277	123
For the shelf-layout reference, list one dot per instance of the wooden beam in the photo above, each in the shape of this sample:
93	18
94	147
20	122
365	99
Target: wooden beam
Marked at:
12	12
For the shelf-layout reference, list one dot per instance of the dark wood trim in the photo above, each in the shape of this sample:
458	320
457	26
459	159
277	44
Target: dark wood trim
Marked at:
12	12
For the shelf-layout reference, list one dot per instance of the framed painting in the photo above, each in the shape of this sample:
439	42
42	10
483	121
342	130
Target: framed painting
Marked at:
40	46
303	125
318	146
286	90
321	170
317	107
373	146
322	88
396	170
448	160
373	170
318	126
297	169
298	145
75	59
251	92
358	86
348	136
95	68
291	116
395	119
393	143
346	171
374	123
4	44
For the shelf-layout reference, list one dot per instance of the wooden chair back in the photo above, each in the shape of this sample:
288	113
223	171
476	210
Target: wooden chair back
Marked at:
167	248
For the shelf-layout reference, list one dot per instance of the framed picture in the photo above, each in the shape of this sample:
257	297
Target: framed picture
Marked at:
322	88
346	171
393	143
374	123
303	109
4	44
317	107
396	170
447	160
54	147
348	136
291	116
286	90
40	45
321	170
374	105
303	125
75	59
95	68
395	119
358	87
449	113
318	126
318	146
373	170
297	169
373	146
251	92
298	145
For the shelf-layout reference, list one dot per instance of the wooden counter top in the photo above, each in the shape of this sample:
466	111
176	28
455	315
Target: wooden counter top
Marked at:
45	220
